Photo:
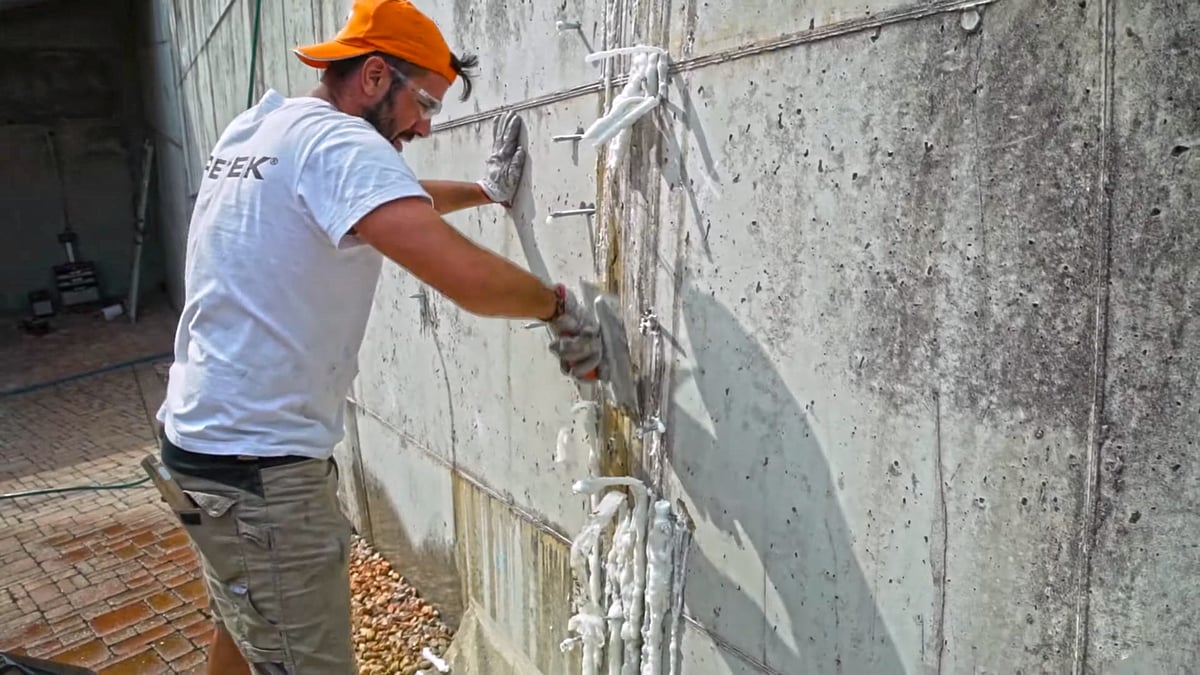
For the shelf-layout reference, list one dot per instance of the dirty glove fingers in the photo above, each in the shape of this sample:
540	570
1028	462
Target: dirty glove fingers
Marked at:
512	130
516	168
577	348
506	132
570	324
497	126
581	370
579	355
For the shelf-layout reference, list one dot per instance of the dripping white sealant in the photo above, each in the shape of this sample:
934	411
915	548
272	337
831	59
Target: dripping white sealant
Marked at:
658	586
631	566
589	626
644	91
589	622
612	590
587	539
566	433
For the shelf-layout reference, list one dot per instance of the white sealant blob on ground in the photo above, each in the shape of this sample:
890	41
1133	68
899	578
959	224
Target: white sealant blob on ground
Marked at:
428	655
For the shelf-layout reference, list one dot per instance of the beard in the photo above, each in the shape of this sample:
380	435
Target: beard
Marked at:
378	113
380	117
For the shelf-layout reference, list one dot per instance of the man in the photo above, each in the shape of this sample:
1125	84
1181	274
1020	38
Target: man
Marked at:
300	200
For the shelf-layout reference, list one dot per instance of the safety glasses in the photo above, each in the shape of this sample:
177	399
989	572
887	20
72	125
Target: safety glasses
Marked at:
430	106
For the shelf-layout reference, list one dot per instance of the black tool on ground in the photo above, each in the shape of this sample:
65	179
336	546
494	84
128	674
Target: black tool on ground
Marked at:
11	664
41	308
41	304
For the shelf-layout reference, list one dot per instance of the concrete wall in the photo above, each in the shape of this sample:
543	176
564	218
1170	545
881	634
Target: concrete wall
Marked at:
67	68
924	279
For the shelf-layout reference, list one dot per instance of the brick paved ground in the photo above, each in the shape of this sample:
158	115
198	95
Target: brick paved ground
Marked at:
101	579
81	342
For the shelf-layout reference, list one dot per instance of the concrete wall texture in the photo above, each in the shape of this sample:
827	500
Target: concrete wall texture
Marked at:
923	281
67	68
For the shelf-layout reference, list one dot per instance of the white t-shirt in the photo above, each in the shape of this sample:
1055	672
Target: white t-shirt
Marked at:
277	294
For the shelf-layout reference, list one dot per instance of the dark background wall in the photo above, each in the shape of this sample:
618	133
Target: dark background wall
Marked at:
68	73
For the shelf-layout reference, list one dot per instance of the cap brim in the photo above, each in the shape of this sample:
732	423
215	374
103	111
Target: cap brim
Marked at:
320	55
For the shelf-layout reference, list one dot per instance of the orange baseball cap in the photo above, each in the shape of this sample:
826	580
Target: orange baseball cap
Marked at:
394	27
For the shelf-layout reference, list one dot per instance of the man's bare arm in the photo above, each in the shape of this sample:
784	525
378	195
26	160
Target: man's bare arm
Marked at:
413	235
450	195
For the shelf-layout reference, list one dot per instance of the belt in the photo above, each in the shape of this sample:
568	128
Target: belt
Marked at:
237	471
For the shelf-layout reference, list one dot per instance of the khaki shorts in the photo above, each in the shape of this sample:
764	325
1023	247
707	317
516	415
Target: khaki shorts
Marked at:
276	566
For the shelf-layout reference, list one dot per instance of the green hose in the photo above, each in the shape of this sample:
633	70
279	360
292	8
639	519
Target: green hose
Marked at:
254	51
52	491
132	484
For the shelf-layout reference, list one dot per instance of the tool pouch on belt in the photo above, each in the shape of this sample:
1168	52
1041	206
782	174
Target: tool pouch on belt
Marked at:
211	520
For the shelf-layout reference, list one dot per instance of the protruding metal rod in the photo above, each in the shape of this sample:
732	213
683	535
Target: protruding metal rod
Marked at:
572	212
567	25
567	137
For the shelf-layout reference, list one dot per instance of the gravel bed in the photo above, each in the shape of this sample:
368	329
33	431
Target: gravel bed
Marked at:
392	623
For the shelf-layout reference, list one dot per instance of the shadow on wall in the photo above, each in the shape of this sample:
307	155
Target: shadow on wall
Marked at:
760	476
523	213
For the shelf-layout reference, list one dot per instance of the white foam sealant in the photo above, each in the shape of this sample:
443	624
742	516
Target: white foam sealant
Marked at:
659	542
568	440
438	663
645	89
589	621
625	572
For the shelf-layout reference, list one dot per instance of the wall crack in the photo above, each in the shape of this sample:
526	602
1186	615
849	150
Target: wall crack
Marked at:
943	518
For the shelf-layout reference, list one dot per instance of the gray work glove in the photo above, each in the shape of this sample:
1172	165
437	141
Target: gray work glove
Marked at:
507	161
576	337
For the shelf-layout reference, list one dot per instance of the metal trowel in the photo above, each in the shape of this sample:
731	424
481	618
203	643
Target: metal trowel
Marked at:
616	368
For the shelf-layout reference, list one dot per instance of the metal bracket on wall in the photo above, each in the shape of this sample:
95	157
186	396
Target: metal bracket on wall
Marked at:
574	141
563	26
585	209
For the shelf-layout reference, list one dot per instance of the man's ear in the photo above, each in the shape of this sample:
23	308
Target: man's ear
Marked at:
372	76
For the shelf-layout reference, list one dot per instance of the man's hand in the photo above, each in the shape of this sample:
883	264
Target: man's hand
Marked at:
577	341
507	161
